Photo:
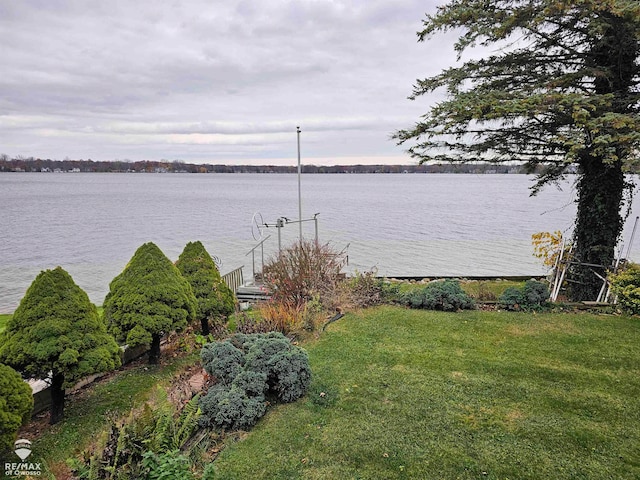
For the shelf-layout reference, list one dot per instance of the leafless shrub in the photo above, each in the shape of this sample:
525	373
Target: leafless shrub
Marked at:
302	272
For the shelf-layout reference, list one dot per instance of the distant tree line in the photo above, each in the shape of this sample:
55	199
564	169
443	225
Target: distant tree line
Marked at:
30	164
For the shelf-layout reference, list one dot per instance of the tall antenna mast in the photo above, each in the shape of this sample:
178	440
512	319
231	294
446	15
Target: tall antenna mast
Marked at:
299	188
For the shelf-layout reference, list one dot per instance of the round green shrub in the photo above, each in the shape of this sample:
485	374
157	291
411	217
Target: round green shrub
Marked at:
16	403
626	286
533	295
445	295
512	298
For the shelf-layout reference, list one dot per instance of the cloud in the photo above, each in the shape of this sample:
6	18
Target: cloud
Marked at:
93	79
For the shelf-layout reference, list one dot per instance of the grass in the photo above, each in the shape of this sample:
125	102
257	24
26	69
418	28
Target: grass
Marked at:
488	289
420	395
478	289
88	415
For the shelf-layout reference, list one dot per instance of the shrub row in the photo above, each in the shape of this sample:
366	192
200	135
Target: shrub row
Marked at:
57	332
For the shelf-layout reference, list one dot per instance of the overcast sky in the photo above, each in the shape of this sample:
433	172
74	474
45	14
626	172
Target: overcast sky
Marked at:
216	81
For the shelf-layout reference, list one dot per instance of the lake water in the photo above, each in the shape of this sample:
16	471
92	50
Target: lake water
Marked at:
403	225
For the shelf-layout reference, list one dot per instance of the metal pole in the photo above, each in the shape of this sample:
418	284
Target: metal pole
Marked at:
556	270
315	220
279	226
253	265
299	188
633	234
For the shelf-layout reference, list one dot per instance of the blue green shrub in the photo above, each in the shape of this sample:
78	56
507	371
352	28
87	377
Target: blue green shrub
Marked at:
533	296
512	298
222	360
535	293
251	368
291	375
254	383
231	408
446	295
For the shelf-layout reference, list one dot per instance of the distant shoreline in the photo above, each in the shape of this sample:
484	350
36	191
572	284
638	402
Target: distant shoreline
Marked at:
29	165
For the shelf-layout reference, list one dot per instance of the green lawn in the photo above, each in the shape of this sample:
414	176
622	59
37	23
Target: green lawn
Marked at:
423	395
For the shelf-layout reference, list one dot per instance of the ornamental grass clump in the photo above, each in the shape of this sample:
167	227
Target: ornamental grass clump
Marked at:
251	370
446	295
282	316
367	289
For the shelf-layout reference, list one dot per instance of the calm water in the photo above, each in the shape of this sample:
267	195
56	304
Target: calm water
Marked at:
410	225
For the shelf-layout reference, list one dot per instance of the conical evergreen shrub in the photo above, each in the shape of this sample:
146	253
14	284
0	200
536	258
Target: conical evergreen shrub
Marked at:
149	299
215	298
57	330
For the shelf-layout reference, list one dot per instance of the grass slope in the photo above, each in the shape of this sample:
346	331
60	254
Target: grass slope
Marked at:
90	413
426	395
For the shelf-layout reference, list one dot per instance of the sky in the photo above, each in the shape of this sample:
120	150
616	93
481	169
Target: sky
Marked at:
214	81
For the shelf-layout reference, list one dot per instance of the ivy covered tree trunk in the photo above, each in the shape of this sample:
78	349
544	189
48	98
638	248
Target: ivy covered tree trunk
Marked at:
154	353
602	183
598	225
57	398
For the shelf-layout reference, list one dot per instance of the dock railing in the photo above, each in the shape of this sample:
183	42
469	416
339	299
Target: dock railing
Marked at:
234	279
252	252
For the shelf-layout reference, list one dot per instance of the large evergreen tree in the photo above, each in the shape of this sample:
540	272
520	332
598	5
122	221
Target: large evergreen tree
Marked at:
57	331
148	299
16	403
560	87
215	298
